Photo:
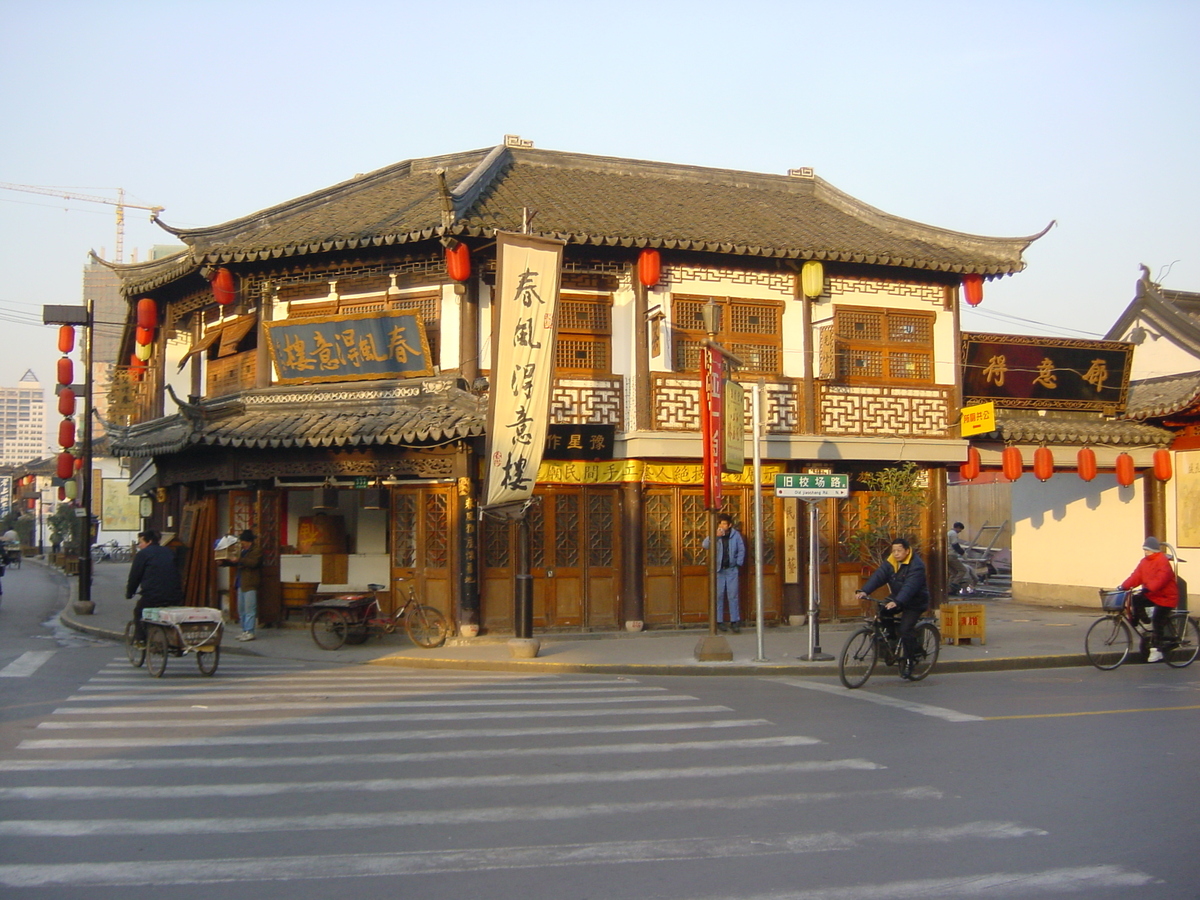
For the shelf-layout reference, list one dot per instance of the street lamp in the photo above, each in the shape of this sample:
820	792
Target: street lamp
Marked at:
85	317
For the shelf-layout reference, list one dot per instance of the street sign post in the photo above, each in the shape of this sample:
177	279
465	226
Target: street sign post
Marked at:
812	489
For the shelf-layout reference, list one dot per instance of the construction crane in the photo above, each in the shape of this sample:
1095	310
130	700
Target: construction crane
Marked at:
119	203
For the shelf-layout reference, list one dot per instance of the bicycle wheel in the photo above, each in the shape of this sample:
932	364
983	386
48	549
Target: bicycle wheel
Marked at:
156	652
136	654
931	646
329	629
1186	642
207	660
426	626
858	658
1107	642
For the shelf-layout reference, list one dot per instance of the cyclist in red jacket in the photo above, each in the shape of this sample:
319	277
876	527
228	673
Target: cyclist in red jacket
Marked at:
1159	593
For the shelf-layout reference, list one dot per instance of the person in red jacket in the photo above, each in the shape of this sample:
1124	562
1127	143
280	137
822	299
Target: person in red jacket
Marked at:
1159	594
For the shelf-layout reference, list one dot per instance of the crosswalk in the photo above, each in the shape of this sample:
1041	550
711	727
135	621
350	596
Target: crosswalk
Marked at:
279	772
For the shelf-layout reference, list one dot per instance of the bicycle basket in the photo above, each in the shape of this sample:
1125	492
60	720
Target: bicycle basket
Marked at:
1113	599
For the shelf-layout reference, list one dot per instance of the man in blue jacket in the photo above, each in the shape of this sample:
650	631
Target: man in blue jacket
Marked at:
731	556
904	574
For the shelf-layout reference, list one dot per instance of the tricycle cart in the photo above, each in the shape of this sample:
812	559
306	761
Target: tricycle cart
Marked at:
177	631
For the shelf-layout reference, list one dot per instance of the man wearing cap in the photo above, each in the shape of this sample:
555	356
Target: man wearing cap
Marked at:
1159	592
246	582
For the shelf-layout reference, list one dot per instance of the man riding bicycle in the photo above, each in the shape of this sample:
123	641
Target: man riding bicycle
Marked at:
904	574
1159	594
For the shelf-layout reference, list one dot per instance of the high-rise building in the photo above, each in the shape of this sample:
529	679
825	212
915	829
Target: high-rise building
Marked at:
22	421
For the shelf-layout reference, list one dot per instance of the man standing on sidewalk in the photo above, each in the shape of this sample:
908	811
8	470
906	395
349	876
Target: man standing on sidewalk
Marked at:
246	582
731	556
153	571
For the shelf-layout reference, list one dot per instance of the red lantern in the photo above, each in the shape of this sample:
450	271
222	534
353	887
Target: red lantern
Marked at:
1162	464
147	313
66	338
62	493
65	466
1011	463
31	504
66	402
66	370
144	336
66	434
649	267
458	262
970	469
224	287
973	289
78	463
1087	463
1125	471
137	368
1043	463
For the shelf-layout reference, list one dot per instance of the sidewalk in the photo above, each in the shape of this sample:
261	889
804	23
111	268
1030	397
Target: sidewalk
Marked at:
1019	636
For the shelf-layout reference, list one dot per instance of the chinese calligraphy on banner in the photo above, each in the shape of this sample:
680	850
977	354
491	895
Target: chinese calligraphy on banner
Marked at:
526	302
1017	371
712	429
340	348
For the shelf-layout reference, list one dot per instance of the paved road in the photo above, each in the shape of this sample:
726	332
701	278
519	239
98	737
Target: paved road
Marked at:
377	782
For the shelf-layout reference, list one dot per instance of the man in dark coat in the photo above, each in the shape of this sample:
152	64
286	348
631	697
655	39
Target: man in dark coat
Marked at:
904	574
156	574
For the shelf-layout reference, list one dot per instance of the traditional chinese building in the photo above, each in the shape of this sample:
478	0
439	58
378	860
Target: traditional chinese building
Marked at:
319	371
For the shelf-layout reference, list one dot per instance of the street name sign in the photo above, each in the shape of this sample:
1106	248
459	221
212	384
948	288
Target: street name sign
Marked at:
812	487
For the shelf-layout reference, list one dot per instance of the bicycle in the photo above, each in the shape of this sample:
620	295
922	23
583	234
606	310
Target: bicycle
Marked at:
1110	638
878	638
351	618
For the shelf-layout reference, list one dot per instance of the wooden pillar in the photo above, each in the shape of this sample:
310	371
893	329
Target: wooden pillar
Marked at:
1155	505
633	586
935	560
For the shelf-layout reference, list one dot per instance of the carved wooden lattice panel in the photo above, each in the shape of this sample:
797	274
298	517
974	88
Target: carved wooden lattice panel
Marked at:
884	411
658	530
695	530
539	554
587	401
496	550
404	534
437	530
600	520
566	530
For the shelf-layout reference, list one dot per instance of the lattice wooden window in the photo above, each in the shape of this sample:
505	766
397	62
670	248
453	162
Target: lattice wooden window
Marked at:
751	330
600	514
566	530
584	333
695	530
659	545
404	535
888	345
437	531
497	553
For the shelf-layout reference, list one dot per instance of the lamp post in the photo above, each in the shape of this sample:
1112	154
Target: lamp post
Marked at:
83	316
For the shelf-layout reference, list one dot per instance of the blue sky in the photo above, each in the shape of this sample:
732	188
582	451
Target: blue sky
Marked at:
991	118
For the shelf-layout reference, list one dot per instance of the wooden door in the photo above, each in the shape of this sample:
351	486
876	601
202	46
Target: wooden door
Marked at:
422	523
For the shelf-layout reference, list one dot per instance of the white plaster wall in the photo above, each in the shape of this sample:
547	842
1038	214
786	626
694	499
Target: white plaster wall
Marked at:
1072	537
1157	355
451	328
625	330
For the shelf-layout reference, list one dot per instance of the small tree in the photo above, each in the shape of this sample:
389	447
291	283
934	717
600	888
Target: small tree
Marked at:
898	496
61	525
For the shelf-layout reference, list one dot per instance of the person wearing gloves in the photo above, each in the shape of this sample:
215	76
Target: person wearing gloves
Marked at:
904	574
1159	592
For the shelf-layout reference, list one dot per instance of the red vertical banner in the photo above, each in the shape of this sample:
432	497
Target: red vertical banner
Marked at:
712	380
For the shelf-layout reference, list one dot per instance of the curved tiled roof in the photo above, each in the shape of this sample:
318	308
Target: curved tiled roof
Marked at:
1068	429
1153	398
589	200
423	414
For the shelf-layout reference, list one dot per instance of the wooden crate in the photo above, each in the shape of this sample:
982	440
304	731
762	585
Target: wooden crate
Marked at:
963	622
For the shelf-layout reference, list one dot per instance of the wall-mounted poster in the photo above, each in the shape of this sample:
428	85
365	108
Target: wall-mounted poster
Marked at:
119	510
1187	512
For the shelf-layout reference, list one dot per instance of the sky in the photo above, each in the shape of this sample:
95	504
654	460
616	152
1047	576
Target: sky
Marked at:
991	118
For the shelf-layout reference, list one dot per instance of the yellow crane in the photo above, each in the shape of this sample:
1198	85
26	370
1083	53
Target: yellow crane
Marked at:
119	203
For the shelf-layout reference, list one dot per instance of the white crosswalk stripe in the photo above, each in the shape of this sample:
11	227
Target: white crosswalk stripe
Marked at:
185	767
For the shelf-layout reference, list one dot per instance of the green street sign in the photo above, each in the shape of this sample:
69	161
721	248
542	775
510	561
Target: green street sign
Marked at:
812	487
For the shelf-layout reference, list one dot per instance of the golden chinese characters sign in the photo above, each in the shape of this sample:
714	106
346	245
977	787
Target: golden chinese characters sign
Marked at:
349	348
1019	371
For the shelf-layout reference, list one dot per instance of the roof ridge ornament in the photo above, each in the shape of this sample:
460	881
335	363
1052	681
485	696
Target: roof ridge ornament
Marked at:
805	172
515	140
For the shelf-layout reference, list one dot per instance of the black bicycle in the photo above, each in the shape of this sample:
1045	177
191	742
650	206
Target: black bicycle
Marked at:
1110	640
878	638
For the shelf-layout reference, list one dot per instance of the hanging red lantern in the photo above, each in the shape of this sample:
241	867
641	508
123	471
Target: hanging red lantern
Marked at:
137	368
973	289
224	287
78	463
144	336
65	466
1162	464
649	267
458	262
62	493
66	338
1043	463
1087	463
1125	471
66	370
147	313
66	434
1011	463
970	469
66	402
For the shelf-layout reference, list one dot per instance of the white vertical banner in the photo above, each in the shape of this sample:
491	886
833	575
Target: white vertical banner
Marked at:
526	303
